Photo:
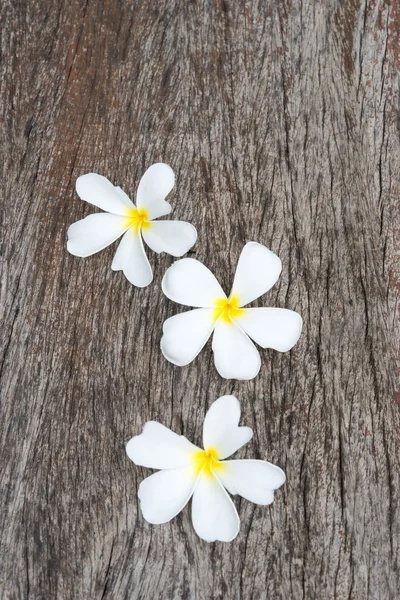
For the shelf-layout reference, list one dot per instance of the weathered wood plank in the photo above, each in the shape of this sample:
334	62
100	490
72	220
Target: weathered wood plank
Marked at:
280	120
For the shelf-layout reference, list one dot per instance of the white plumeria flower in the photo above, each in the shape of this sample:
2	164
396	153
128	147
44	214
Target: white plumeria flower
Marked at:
97	231
186	471
190	283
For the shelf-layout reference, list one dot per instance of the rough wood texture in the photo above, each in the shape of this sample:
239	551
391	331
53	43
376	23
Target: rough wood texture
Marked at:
281	121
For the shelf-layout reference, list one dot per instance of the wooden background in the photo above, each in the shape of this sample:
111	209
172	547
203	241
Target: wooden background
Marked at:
281	122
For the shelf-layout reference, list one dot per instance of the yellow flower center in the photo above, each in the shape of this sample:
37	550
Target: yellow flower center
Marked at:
227	308
206	461
138	218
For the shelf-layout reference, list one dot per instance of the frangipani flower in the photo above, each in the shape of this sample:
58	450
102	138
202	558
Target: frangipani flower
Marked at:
186	471
190	283
97	231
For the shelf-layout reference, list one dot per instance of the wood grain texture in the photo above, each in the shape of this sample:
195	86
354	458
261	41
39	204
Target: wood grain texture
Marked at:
281	122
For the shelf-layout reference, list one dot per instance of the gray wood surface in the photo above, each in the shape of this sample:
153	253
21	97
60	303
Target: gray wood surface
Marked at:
281	122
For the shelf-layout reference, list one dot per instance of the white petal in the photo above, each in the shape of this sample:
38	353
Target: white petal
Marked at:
235	355
97	190
155	185
173	237
184	335
124	197
132	260
190	283
276	328
157	447
257	271
164	494
221	430
214	515
254	480
94	232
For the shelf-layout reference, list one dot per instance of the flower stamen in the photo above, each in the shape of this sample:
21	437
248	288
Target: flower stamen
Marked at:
227	308
206	461
138	218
